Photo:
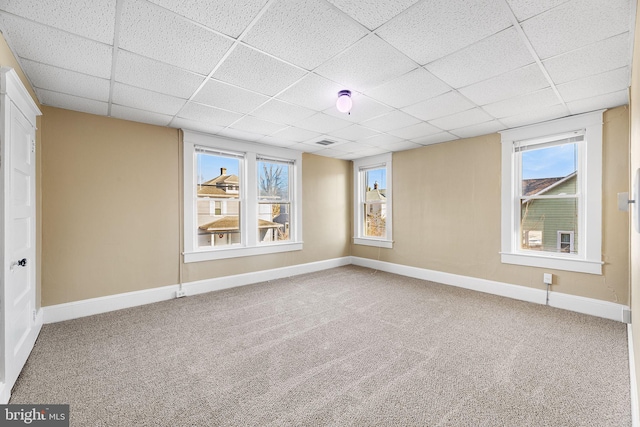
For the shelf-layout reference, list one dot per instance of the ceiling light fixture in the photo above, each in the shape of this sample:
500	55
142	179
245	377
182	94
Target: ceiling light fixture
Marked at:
344	104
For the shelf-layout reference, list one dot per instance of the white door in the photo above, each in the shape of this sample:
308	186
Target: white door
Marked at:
17	165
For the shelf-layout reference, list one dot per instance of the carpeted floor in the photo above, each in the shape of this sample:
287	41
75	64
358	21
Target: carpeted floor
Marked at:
343	347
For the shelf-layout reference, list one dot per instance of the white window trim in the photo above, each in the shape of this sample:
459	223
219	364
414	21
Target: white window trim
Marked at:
249	198
382	160
589	259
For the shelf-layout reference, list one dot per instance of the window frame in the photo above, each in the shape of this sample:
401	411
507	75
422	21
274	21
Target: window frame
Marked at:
360	166
588	258
250	245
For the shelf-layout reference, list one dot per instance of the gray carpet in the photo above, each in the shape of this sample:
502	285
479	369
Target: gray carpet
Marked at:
343	347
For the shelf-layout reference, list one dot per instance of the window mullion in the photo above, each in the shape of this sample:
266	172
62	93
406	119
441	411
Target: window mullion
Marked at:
250	201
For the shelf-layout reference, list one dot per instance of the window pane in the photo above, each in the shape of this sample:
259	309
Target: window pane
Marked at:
548	171
274	207
375	202
542	219
218	200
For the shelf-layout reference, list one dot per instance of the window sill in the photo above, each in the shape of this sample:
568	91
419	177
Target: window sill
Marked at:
554	262
380	243
210	255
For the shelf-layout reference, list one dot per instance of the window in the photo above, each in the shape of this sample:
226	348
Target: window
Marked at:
373	195
552	194
240	199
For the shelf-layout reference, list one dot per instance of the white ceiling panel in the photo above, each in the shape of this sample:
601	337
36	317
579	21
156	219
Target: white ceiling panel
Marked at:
151	31
276	141
393	120
608	100
462	119
314	92
440	106
536	116
222	95
483	60
322	123
595	58
70	102
293	133
58	80
332	152
237	14
87	18
437	28
55	47
479	129
143	99
356	147
255	125
240	134
435	138
136	70
600	84
415	131
355	133
402	146
256	71
133	114
181	123
508	85
364	108
282	112
575	24
374	13
409	88
207	114
382	140
368	63
525	9
289	27
522	104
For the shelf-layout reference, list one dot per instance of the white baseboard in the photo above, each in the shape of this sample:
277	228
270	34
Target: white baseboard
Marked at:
633	384
88	307
605	309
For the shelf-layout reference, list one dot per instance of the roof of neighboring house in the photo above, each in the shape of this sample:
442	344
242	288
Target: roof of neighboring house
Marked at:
222	179
228	223
375	195
208	190
215	187
542	185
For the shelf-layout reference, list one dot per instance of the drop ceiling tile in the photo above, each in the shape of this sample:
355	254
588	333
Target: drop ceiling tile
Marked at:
70	102
282	112
156	33
595	58
522	104
354	133
289	27
382	140
435	139
133	114
256	71
402	146
393	120
536	116
332	152
313	92
507	85
443	105
255	125
409	88
237	14
143	99
149	74
59	80
322	123
204	113
483	60
478	130
221	95
465	118
240	134
367	152
415	131
601	84
356	147
608	100
364	108
373	14
308	147
366	64
181	123
575	24
276	142
57	48
437	28
525	9
296	134
91	19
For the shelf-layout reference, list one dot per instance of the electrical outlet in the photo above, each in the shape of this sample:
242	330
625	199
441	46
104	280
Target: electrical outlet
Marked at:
181	293
548	278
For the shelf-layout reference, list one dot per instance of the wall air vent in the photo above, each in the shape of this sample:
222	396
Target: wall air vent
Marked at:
325	142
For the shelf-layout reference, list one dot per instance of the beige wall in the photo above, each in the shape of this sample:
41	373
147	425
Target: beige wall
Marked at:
111	209
446	215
